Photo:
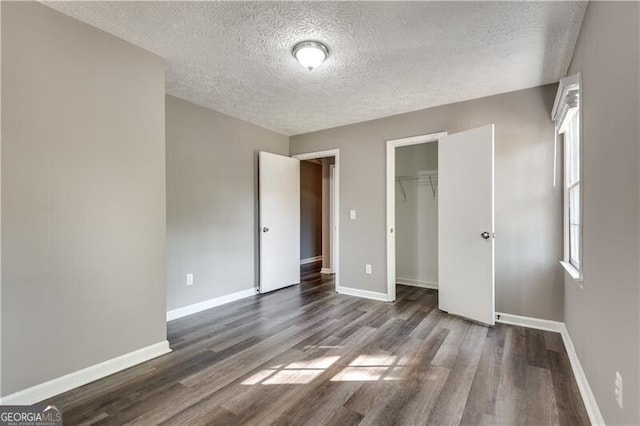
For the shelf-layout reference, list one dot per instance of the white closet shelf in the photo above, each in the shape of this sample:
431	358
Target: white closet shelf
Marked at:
425	177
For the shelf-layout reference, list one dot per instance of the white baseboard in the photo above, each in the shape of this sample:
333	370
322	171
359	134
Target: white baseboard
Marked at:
374	295
208	304
310	260
590	403
588	398
86	375
326	271
417	283
529	322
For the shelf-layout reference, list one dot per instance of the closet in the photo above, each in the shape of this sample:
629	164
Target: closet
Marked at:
416	208
440	219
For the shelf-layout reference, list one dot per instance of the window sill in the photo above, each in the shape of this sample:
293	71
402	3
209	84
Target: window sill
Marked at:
575	275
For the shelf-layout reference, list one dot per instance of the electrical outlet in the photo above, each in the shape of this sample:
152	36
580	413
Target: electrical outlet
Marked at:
189	279
618	389
352	214
367	269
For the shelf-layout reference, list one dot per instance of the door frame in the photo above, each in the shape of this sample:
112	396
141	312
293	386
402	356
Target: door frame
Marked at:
335	233
332	215
391	202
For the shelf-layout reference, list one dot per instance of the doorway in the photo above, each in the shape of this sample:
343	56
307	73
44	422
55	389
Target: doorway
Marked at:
316	219
319	206
406	190
416	208
440	193
311	212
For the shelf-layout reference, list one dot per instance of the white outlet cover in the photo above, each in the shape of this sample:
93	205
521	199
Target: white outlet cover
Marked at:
352	214
189	279
367	269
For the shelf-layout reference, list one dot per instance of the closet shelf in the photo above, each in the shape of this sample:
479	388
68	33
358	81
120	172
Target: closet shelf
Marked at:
430	178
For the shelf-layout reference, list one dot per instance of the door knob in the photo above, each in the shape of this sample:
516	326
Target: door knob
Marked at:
485	235
265	229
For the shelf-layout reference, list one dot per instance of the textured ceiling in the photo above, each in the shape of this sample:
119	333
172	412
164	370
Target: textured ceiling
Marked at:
386	57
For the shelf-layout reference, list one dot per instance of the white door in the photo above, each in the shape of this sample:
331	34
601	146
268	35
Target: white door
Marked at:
279	186
466	224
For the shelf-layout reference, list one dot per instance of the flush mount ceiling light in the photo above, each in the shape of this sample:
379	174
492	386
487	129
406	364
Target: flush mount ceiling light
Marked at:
310	53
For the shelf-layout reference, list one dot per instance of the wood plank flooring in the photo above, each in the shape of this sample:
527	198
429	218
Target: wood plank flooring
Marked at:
306	355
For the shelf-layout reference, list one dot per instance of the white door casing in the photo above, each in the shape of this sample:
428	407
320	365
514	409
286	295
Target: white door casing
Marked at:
391	202
335	266
279	200
332	218
466	224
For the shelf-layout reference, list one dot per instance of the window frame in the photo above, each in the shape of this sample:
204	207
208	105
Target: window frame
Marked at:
566	114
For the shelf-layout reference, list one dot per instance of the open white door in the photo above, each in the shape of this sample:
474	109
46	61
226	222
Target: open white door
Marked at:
279	182
466	224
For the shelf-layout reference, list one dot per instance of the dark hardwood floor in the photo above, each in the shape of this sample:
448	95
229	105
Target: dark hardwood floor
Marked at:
306	355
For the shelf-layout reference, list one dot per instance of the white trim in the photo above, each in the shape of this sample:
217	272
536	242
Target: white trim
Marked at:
573	273
559	117
317	154
590	403
417	283
529	322
416	140
310	260
86	375
589	400
391	202
326	271
374	295
208	304
332	216
564	85
335	266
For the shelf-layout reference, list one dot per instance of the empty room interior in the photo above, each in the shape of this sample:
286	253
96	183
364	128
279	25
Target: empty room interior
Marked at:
320	213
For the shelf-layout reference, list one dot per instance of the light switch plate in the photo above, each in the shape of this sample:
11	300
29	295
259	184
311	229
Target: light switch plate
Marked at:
367	269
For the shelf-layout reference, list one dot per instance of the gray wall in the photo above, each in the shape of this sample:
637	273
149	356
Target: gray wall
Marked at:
417	216
212	201
603	318
528	207
412	159
310	209
83	196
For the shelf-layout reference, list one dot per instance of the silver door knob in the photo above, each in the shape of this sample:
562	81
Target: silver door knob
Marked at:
485	235
265	229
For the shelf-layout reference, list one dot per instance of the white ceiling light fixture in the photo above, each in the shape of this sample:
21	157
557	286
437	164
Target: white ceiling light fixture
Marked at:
310	53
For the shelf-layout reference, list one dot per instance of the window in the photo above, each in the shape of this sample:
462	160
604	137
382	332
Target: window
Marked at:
572	188
566	115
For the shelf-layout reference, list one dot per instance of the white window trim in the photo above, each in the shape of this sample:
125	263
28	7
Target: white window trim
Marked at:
565	85
573	272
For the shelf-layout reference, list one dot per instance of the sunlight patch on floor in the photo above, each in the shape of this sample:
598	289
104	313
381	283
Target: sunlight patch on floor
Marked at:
364	368
296	373
360	374
292	377
371	368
